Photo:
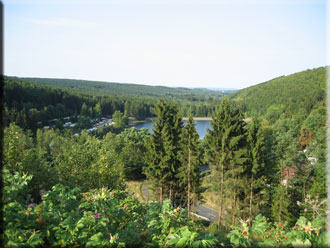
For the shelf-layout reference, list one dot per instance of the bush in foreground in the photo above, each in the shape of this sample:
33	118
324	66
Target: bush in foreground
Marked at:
69	217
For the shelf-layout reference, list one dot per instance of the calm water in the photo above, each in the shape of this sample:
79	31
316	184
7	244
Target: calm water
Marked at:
201	127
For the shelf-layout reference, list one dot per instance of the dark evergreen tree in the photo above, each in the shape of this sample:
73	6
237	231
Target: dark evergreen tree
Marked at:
172	147
164	151
227	150
286	134
156	151
256	145
189	176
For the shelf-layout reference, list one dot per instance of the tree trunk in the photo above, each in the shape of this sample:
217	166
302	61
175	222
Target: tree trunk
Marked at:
171	194
161	194
280	210
281	197
233	209
251	200
189	160
221	198
193	199
304	191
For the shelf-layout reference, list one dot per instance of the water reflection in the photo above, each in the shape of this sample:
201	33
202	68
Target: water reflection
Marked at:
201	127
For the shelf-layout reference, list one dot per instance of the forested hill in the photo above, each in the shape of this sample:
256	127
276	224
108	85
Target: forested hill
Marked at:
289	95
120	89
28	103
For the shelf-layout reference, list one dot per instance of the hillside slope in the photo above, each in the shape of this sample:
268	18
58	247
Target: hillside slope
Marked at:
120	89
298	92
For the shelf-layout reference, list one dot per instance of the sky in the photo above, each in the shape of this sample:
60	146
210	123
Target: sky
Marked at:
177	43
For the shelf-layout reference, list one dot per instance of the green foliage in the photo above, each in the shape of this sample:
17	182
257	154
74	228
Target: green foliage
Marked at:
263	234
315	119
275	166
257	147
36	102
187	238
280	206
100	217
285	135
109	88
132	155
84	110
256	167
307	234
189	176
227	153
20	228
22	155
286	95
120	119
84	122
83	162
164	150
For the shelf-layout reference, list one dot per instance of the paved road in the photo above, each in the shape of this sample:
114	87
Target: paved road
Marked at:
206	212
201	210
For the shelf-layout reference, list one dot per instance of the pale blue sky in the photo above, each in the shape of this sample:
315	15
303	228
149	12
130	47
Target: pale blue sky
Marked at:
195	43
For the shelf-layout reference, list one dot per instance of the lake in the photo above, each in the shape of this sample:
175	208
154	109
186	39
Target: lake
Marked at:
201	127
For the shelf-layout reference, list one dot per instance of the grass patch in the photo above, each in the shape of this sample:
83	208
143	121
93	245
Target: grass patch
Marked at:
136	188
211	198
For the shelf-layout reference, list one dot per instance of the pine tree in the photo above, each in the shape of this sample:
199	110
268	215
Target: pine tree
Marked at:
164	150
172	147
281	202
286	134
156	150
237	144
256	150
227	148
189	176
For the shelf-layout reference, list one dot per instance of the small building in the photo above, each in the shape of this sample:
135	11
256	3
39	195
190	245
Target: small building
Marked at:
67	124
288	173
312	160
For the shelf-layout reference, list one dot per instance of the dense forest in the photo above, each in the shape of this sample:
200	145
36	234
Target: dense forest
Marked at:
107	88
28	104
293	96
267	177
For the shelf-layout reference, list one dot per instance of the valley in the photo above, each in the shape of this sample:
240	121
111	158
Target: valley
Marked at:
263	149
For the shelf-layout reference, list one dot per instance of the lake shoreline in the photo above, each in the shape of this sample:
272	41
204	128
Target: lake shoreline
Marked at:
201	125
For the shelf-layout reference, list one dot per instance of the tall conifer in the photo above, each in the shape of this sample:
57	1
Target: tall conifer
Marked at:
227	148
256	151
164	150
189	176
156	151
172	147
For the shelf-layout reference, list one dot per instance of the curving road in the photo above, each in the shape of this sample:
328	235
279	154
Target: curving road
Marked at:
206	212
200	210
